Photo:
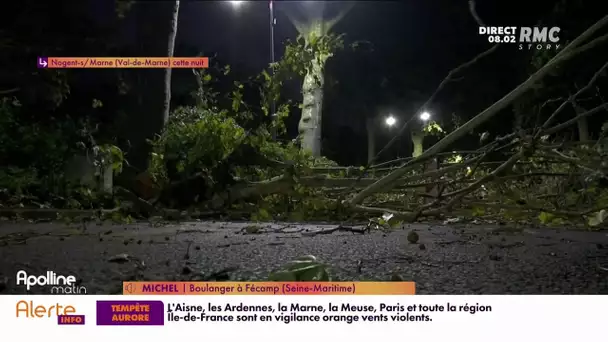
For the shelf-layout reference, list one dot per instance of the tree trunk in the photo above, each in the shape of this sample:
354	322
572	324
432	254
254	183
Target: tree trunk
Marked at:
170	50
417	140
583	129
309	127
582	123
154	23
433	165
371	141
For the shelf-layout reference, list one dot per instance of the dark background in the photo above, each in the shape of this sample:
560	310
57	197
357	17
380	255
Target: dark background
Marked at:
412	46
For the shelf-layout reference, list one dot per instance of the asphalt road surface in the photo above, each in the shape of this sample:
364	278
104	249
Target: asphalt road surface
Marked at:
448	259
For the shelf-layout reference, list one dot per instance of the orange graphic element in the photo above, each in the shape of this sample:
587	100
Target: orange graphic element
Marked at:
29	310
269	288
127	62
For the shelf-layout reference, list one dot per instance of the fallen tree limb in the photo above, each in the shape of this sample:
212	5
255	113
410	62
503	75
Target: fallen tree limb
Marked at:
402	160
281	184
582	38
9	91
139	203
570	99
463	192
482	117
570	160
339	228
566	124
398	215
449	78
333	182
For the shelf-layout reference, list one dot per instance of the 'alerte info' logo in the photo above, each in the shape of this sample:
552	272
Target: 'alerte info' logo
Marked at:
528	38
59	284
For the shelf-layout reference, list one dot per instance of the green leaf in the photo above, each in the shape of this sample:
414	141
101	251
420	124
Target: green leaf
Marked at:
478	211
545	218
313	273
395	223
263	215
282	276
598	218
305	268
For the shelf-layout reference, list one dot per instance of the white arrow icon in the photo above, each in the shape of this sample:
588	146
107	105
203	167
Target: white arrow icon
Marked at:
42	62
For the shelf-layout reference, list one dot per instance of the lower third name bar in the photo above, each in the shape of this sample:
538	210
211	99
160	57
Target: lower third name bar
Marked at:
269	288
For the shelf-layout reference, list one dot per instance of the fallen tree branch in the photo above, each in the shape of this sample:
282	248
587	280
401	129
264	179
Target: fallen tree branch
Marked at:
473	10
463	192
480	118
398	215
570	99
9	91
449	78
333	182
570	160
281	184
581	39
339	228
559	127
380	166
139	203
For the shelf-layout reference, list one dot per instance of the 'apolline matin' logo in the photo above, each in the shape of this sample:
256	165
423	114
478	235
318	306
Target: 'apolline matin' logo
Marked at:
60	284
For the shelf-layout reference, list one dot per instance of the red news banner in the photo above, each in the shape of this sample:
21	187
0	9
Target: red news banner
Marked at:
122	62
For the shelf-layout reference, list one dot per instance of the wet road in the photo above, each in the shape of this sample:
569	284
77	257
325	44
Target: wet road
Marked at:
458	259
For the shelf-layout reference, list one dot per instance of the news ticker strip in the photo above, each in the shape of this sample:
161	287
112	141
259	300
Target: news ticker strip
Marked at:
269	288
122	62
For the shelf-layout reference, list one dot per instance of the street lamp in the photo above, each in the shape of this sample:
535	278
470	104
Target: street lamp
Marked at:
425	116
390	121
273	21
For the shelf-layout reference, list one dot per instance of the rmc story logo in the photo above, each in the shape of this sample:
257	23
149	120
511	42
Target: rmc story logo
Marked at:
59	284
528	38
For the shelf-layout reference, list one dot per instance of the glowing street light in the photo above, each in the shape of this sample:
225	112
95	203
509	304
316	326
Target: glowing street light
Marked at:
273	22
425	116
390	121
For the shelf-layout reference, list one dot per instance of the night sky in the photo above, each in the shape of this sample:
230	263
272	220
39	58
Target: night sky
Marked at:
401	31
